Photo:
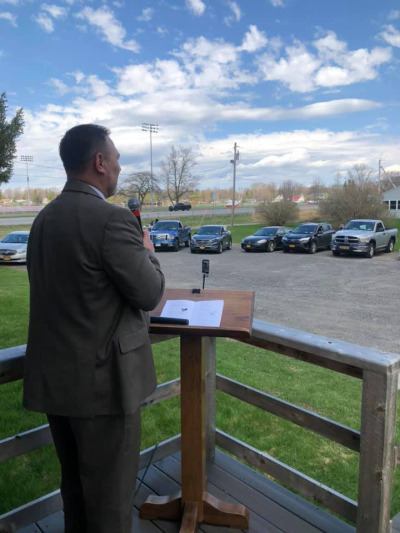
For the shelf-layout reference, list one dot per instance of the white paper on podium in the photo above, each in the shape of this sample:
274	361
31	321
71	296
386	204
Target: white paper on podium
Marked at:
201	313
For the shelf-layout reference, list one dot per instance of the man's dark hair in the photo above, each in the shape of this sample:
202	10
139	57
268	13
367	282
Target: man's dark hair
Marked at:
80	144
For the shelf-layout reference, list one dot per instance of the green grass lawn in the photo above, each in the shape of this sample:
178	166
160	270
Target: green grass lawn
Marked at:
330	394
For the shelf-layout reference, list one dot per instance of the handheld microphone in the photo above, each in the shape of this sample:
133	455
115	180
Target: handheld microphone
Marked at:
134	208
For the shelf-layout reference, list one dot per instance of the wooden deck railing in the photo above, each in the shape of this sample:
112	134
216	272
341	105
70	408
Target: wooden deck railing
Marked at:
379	372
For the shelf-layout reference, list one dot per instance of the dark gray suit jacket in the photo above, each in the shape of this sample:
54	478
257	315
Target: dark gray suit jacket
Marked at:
91	283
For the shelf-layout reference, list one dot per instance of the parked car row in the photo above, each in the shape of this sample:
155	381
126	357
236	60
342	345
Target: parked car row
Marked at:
358	236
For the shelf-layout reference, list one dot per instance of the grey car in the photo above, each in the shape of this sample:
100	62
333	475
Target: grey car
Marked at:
13	247
211	239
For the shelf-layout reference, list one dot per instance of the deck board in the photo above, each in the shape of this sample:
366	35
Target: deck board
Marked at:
272	508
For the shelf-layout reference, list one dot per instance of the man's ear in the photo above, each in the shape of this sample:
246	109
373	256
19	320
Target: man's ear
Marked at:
99	163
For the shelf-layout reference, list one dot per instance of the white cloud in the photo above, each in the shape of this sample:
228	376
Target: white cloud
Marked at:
296	70
277	3
10	2
213	65
44	21
78	75
146	15
109	27
253	40
55	11
197	7
61	87
149	78
333	64
12	19
351	66
391	35
394	14
236	14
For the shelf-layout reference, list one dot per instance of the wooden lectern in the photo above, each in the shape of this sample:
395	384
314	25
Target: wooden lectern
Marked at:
193	504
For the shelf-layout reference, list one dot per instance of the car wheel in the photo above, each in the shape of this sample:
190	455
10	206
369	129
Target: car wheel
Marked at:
187	243
370	251
176	246
271	246
219	249
170	208
286	250
336	253
192	251
390	247
313	247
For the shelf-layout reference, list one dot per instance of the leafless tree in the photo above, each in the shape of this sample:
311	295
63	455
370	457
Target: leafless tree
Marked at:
358	197
277	213
287	190
389	180
316	189
177	173
139	184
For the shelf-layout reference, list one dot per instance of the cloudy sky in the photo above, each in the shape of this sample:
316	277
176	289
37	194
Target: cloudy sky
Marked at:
307	88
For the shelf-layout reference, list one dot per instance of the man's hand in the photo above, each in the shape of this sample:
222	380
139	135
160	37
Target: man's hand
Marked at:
147	242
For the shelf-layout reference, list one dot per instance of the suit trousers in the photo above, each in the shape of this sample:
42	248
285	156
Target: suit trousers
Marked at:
99	459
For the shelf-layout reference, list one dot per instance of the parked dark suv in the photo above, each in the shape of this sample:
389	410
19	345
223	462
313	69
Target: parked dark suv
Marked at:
180	207
308	237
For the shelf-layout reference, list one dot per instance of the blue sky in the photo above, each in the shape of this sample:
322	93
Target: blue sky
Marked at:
307	88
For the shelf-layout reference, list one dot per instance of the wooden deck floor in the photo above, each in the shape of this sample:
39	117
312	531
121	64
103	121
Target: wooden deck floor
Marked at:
273	509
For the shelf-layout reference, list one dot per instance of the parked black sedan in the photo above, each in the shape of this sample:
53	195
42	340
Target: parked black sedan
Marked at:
180	207
211	239
265	239
308	237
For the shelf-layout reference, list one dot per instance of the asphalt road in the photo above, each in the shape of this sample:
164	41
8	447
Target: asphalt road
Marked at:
349	298
150	215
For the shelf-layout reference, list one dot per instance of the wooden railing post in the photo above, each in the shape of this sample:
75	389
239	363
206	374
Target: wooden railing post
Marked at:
377	451
209	349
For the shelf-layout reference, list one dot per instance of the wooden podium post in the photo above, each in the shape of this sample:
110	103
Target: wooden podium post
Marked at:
193	503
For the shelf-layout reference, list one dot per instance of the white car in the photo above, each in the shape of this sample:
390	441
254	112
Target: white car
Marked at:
13	247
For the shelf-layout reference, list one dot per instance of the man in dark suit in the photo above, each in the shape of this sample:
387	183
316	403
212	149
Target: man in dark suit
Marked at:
93	275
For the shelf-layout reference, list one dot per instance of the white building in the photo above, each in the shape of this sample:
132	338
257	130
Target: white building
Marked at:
392	199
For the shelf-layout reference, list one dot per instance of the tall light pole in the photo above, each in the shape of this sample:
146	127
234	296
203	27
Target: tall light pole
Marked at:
152	128
28	159
235	158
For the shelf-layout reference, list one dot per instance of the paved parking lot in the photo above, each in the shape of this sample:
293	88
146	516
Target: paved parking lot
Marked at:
350	298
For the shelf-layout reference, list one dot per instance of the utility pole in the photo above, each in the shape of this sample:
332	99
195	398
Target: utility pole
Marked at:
152	128
386	175
235	158
379	176
28	159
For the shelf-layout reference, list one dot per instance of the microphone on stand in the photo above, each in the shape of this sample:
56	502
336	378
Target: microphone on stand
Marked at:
134	208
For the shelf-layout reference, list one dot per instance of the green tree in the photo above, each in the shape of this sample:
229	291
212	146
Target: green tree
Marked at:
9	132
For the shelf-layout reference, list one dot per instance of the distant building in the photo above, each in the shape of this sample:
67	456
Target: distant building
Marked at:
297	199
392	199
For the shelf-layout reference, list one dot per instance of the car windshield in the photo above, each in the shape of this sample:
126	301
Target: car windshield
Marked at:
166	226
305	228
360	225
209	230
265	231
16	238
